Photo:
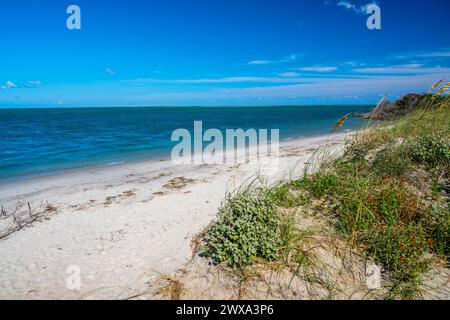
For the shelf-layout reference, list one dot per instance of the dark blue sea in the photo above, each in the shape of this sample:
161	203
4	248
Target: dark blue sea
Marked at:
36	142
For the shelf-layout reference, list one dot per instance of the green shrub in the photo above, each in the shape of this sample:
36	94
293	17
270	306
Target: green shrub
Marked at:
368	205
392	161
393	202
344	168
437	224
385	217
282	196
440	236
356	151
400	248
430	151
319	185
365	142
353	212
354	217
248	229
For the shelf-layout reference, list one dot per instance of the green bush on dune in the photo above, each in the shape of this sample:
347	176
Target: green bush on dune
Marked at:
437	225
430	150
248	229
401	249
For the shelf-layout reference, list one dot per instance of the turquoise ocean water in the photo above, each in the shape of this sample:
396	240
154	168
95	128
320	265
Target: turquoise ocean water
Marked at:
36	142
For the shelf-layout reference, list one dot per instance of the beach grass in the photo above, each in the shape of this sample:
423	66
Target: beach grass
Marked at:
387	196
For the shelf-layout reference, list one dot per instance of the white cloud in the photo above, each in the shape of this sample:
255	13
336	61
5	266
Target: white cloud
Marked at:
32	84
316	87
291	78
288	74
353	64
318	68
434	54
443	53
289	58
256	62
29	84
292	57
8	85
358	9
413	68
35	83
353	84
110	71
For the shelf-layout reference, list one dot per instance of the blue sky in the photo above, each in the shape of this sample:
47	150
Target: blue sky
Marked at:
218	52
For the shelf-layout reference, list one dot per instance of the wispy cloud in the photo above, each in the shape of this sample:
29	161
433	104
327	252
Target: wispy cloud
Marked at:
32	84
289	58
320	88
353	63
434	54
59	103
358	9
442	53
318	68
347	70
290	77
256	62
110	71
413	68
29	84
354	80
288	74
35	82
8	85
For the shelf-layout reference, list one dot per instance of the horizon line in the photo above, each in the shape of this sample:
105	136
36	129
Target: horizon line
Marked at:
194	106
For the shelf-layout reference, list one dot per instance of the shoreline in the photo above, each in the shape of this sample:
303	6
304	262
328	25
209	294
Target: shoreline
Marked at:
150	160
122	225
160	157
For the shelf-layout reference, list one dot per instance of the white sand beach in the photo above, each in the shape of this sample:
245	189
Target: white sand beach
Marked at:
122	226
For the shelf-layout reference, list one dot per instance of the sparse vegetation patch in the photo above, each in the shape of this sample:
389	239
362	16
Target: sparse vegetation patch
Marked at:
387	196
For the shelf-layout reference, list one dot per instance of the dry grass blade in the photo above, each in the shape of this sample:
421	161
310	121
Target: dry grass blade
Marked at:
24	216
172	289
341	122
3	212
435	85
443	89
